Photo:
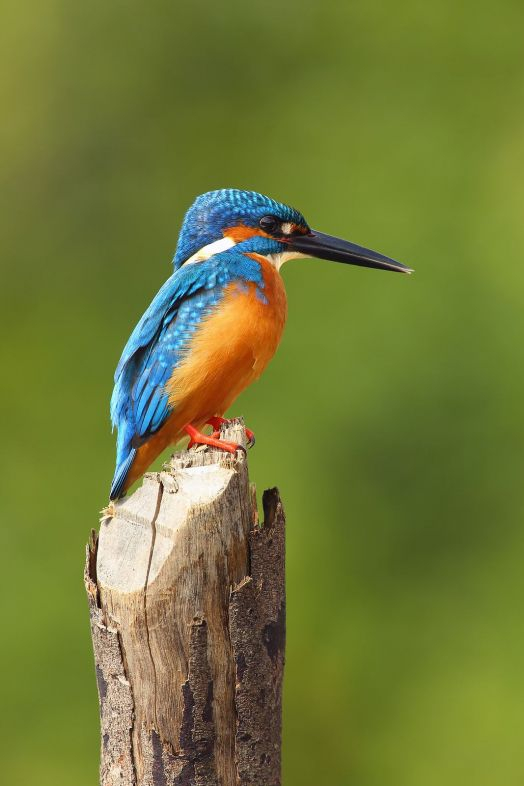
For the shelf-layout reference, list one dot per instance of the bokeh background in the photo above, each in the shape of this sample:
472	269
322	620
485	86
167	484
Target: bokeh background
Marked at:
391	417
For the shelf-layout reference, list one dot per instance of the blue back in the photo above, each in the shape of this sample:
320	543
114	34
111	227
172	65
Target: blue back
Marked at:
139	404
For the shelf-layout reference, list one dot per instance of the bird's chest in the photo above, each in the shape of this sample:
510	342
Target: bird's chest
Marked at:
255	317
234	343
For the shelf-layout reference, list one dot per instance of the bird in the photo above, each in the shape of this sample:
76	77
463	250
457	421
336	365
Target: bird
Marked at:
214	325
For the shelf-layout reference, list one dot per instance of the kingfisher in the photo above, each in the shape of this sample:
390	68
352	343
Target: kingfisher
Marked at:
214	325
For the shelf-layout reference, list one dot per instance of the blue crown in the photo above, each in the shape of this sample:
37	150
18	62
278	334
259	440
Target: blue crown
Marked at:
215	211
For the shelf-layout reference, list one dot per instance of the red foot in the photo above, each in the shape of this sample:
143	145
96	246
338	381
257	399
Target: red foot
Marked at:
216	422
197	438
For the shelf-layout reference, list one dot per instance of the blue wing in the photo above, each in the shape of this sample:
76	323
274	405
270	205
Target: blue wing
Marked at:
140	404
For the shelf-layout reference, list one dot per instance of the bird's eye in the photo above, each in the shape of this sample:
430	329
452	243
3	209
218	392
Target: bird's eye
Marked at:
269	224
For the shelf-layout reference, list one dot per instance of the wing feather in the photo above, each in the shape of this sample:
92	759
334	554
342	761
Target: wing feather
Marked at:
140	402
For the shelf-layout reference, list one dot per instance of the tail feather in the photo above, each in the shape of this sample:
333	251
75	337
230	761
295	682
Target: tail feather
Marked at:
117	486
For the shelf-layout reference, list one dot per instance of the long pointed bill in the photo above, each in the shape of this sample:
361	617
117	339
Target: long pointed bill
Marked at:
317	244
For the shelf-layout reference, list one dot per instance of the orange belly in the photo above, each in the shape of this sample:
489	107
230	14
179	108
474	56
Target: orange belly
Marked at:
231	348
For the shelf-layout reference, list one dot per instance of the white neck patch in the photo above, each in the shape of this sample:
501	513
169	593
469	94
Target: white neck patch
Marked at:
212	248
225	243
277	260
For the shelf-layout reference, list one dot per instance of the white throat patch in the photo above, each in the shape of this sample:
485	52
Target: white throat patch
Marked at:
225	243
277	260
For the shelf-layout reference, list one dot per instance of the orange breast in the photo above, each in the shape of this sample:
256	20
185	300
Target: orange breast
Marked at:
231	348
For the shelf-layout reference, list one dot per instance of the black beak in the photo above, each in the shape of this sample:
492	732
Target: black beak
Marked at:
317	244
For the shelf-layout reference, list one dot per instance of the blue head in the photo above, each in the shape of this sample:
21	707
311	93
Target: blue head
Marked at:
232	216
219	220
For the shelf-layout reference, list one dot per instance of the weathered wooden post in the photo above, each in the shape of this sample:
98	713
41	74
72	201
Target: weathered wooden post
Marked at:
187	604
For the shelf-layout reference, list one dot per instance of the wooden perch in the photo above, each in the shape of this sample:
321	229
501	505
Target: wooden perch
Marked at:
187	604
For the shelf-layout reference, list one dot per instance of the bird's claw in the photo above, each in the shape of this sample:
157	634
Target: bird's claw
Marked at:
211	440
216	422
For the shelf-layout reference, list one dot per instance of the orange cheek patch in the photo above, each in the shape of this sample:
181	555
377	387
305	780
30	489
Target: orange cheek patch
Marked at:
242	232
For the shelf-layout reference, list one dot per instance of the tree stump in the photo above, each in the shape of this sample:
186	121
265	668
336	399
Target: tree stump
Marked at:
187	604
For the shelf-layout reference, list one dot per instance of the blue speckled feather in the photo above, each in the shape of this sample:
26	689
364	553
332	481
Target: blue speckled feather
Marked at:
139	404
214	211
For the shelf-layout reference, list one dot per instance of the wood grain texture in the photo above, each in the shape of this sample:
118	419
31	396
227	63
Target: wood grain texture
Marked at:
187	604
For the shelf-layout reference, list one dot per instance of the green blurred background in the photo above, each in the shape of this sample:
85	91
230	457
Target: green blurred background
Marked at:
391	417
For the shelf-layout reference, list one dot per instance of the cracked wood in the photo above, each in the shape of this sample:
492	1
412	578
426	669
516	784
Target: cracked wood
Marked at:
187	606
